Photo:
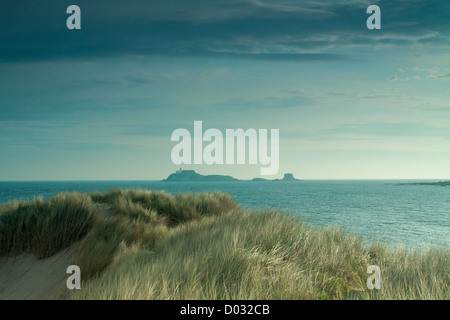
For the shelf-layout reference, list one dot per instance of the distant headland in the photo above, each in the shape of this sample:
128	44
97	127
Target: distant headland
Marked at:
440	183
192	176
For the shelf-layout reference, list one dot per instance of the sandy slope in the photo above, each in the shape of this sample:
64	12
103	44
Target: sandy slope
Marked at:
25	277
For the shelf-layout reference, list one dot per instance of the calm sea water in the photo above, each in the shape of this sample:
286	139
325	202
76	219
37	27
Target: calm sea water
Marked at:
411	215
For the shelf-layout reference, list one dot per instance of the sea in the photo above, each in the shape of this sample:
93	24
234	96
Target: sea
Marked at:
413	216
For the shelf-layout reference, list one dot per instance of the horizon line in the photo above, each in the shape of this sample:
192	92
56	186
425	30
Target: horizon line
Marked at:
159	180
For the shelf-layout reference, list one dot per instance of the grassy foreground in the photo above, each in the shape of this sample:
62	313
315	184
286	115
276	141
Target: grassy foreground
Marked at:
139	244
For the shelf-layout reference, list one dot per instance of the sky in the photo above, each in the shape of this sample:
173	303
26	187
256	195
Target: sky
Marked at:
101	103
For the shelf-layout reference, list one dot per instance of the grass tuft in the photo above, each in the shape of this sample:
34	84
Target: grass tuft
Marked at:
44	227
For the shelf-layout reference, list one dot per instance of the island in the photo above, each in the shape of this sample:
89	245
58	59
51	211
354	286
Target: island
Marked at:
287	177
192	176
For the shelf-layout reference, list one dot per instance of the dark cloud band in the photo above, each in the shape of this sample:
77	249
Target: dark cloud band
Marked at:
251	29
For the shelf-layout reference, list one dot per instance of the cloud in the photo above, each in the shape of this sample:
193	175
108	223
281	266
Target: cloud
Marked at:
415	78
424	73
141	78
89	83
399	129
267	102
441	77
282	30
203	11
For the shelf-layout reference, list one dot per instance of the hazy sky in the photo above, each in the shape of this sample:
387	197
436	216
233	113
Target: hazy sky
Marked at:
102	102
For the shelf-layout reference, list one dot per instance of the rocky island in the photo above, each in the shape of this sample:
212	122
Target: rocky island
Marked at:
287	177
192	176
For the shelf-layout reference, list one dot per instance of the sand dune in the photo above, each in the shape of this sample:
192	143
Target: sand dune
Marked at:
26	277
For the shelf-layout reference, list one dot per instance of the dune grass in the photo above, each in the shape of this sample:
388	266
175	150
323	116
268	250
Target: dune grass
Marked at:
44	227
139	244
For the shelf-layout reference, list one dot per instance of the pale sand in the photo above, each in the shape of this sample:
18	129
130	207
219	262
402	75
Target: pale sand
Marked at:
25	277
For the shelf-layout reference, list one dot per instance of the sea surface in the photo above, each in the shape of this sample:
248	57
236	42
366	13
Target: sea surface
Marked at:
415	216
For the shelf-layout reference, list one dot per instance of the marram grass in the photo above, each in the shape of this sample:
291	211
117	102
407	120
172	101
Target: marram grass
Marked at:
44	227
139	244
